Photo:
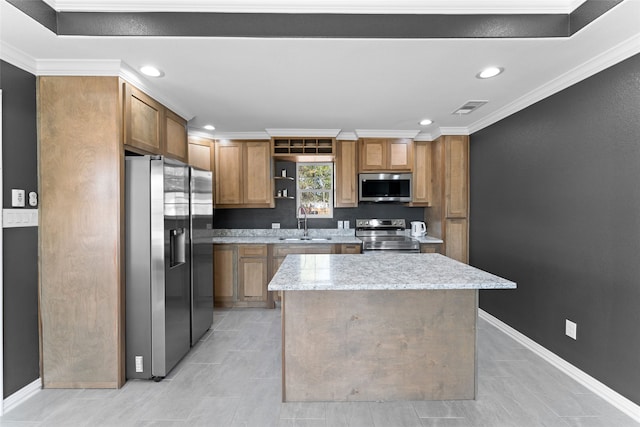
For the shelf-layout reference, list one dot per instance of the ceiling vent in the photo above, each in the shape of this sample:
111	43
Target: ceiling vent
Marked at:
469	107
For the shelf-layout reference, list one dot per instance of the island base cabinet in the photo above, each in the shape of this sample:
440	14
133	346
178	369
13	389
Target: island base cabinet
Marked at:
384	345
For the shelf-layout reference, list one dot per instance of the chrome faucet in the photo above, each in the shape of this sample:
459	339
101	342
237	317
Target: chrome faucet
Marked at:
304	212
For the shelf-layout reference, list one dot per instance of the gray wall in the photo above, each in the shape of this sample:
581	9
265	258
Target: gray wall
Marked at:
20	258
555	206
285	211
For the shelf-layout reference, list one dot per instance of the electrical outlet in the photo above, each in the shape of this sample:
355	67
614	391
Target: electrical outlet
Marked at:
571	329
139	365
346	224
340	224
275	225
17	198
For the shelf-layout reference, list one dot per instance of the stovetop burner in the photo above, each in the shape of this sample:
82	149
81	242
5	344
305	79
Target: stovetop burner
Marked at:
385	235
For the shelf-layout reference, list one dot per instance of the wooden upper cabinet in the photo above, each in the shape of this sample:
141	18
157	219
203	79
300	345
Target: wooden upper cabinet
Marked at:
346	174
201	152
228	171
258	185
400	155
150	128
143	121
457	176
382	154
176	137
373	154
243	174
422	174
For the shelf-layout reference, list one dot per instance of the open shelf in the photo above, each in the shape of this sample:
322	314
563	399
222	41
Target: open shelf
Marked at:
302	146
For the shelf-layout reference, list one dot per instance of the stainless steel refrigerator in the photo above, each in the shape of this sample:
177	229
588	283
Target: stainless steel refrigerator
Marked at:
201	202
157	267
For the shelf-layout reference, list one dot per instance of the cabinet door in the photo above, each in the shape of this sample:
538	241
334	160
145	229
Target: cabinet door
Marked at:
346	175
457	242
373	154
350	248
201	153
176	132
143	121
400	155
422	179
258	185
228	171
252	280
430	248
224	274
456	176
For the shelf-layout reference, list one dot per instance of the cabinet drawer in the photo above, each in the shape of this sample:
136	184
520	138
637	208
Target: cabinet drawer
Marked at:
252	250
351	249
320	249
284	250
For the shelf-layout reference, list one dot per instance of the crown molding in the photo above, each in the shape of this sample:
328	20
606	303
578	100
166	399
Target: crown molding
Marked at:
381	133
347	136
289	132
241	135
454	131
199	134
423	136
317	6
78	67
18	58
617	54
87	67
129	74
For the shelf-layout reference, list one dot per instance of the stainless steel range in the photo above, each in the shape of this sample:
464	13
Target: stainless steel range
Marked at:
379	235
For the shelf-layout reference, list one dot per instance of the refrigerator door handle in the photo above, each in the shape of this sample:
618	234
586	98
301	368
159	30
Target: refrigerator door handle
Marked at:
177	245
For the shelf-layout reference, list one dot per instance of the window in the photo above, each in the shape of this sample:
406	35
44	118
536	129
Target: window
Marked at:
314	188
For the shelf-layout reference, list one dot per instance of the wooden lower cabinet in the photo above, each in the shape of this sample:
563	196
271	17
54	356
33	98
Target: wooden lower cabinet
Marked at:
253	274
241	273
225	276
430	248
457	242
350	248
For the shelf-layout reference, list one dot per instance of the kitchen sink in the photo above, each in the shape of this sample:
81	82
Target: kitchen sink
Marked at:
314	239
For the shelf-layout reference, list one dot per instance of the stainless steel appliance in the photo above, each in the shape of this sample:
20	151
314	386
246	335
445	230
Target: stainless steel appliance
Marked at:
157	265
201	208
380	235
384	187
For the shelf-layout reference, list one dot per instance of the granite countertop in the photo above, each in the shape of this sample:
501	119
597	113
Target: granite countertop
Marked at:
381	272
273	236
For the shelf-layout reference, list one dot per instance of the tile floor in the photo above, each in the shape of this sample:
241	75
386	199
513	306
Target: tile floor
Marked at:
232	378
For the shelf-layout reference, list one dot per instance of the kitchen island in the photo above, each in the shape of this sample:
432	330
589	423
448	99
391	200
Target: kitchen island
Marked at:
379	327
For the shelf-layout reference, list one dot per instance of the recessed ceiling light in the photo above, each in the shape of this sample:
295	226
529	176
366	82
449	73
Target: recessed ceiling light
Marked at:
209	127
151	71
489	72
425	122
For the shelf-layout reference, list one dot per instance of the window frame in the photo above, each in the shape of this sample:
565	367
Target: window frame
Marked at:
330	191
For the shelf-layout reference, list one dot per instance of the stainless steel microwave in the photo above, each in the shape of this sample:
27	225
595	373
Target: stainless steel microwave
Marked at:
384	187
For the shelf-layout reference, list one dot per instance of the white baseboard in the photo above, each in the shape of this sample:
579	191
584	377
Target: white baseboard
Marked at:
611	396
20	396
